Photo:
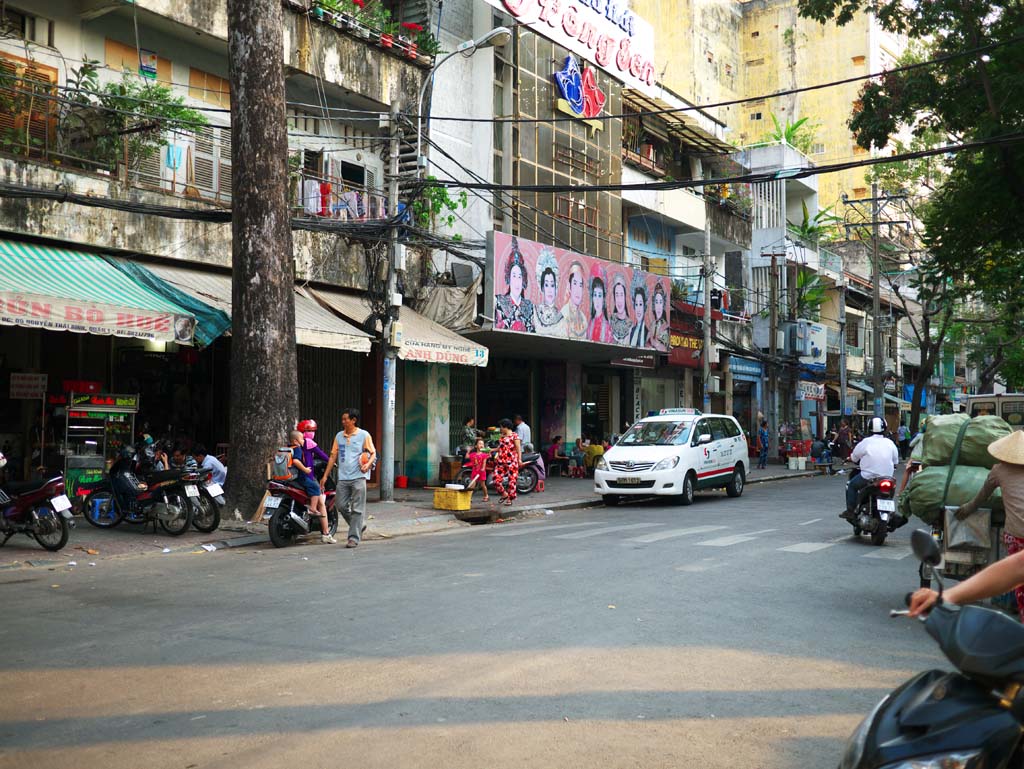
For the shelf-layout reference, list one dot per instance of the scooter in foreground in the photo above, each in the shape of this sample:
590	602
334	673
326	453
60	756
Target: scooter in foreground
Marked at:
970	719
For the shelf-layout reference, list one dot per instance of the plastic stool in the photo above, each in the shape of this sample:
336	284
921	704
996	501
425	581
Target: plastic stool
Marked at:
540	484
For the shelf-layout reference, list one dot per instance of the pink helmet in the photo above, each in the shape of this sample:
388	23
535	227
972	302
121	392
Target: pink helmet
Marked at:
306	426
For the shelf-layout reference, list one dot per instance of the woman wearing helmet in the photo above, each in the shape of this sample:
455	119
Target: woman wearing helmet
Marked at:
878	457
310	451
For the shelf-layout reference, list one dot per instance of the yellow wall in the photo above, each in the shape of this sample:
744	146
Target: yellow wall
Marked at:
716	50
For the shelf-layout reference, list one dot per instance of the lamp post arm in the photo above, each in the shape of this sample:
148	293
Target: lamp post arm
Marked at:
419	104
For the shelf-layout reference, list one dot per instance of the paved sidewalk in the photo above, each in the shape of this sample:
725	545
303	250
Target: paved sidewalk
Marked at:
412	512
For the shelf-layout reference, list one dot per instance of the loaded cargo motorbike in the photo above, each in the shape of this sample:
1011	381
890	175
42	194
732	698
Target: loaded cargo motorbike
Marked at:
969	719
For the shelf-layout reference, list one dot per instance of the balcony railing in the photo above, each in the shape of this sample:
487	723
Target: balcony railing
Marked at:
854	352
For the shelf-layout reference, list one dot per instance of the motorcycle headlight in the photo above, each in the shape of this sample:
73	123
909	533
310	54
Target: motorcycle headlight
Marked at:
855	746
667	463
600	464
940	761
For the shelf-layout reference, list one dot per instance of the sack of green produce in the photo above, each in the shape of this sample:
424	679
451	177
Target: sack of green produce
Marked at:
923	495
940	439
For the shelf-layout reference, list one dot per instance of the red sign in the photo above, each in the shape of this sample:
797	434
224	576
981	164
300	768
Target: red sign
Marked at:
81	386
687	351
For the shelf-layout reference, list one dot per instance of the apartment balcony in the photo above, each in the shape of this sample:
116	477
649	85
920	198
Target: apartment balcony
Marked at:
678	207
778	156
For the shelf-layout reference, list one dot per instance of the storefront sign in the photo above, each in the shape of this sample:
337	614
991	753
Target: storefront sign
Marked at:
55	314
147	63
638	394
686	351
580	95
640	360
551	292
818	337
105	402
432	352
745	367
810	391
28	387
603	31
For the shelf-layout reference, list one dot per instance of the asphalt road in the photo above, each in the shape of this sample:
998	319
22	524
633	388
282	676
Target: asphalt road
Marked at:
749	632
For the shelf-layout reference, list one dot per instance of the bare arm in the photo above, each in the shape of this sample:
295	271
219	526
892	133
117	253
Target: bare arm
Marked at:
330	462
994	580
519	450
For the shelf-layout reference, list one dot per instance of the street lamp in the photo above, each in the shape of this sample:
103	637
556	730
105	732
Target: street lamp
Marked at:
496	38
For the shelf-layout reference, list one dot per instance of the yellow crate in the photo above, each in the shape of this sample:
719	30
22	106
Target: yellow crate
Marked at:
450	499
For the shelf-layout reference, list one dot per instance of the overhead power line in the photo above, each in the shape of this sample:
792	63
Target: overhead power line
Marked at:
753	178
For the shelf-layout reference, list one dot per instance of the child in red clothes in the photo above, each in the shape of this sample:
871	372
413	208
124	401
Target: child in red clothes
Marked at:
478	468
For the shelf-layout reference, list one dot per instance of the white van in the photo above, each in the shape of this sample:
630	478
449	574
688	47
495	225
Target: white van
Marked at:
674	453
1009	406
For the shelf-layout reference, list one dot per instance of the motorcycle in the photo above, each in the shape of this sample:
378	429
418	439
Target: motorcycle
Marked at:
38	509
161	500
287	507
941	720
525	483
875	512
206	506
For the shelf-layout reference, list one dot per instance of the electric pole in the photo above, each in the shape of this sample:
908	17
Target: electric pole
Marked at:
393	304
842	346
709	273
773	371
876	308
264	396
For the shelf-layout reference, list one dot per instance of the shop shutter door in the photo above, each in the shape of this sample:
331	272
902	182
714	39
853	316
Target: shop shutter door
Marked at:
224	164
329	380
461	400
603	403
204	163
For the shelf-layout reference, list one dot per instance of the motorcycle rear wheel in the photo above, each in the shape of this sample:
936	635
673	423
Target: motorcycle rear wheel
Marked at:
55	540
179	525
878	535
102	511
527	480
280	527
205	514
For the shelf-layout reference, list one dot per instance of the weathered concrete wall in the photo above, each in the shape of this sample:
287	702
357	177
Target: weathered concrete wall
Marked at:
313	48
728	226
318	256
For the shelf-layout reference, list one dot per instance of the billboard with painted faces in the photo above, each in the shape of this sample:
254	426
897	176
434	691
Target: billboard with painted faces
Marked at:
552	292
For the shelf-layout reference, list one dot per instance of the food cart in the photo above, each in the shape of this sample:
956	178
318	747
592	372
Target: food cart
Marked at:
97	426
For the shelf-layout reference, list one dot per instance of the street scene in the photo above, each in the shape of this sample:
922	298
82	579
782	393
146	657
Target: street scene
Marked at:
497	383
749	632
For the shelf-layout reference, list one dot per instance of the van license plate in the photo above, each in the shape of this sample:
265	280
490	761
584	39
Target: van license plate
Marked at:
889	505
634	481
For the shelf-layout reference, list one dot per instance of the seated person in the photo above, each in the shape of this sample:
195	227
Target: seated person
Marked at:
555	453
593	451
178	459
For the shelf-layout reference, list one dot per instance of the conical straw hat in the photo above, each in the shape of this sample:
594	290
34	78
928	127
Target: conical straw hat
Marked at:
1009	448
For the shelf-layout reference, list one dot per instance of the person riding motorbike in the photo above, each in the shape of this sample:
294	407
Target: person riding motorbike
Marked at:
878	457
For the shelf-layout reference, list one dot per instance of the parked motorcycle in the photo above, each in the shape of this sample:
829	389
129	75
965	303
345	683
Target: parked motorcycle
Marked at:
875	512
287	507
161	499
939	720
207	504
525	483
38	509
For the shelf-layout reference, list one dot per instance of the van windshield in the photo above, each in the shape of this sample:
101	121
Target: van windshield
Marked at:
656	434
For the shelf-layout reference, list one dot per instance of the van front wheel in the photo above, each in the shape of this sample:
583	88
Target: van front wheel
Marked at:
686	497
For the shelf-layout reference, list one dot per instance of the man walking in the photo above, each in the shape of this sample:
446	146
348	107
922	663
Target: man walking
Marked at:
903	437
523	431
354	454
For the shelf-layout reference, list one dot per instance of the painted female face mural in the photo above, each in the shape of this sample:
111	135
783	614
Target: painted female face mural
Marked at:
549	289
515	282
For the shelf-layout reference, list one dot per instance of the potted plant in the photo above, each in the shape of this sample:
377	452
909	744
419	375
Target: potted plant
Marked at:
408	38
387	34
427	43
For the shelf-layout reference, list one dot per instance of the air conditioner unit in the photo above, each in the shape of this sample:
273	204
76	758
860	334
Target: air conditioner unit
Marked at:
798	339
714	385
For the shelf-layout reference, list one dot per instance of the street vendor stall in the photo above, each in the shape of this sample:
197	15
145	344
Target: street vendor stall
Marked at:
97	426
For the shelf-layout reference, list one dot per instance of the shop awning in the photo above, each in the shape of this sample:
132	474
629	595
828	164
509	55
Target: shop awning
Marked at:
57	289
314	326
680	124
904	405
864	388
423	340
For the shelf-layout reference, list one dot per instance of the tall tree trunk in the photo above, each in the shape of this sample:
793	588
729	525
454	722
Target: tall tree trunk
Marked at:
264	397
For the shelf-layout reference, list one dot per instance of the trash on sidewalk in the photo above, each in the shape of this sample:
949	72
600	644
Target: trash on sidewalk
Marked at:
209	548
72	563
166	550
549	512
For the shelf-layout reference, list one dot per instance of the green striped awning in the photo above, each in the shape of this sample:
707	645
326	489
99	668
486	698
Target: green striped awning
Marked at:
58	289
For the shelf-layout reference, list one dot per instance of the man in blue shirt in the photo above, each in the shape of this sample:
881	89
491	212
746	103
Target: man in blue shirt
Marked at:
354	453
210	463
763	439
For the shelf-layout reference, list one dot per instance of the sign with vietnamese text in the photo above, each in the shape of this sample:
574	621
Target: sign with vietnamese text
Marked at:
810	391
105	402
686	351
605	32
640	360
442	352
58	314
552	292
28	387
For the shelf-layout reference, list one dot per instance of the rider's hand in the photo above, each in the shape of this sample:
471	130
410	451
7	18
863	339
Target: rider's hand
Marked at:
922	601
965	512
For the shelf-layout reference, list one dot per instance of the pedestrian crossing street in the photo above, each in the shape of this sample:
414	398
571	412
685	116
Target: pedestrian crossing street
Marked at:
709	536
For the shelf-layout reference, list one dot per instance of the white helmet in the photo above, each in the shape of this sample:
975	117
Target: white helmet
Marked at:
877	425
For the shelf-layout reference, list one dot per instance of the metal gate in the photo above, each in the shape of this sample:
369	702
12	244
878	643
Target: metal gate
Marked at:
462	401
329	381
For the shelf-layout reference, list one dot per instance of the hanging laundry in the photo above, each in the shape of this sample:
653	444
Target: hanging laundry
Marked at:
325	198
311	196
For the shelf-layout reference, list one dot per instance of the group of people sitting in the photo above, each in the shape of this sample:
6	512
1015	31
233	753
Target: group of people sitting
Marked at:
578	458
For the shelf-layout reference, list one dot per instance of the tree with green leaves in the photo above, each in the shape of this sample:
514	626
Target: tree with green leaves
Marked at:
799	134
973	229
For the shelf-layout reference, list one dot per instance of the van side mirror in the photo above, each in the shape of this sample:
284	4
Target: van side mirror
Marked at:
704	438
